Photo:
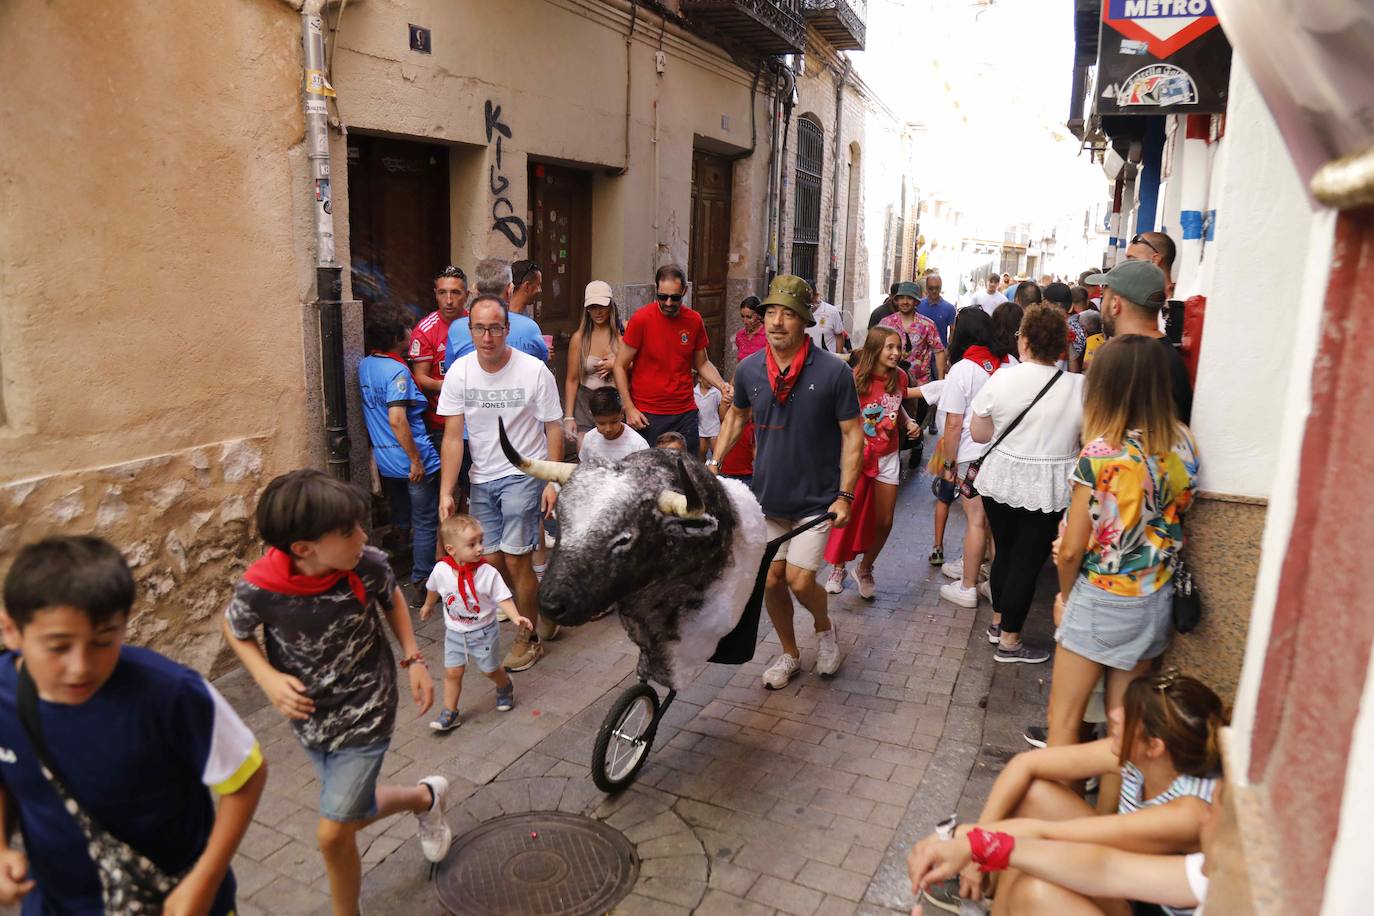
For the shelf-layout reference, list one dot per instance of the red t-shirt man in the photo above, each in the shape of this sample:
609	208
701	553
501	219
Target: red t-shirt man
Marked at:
662	379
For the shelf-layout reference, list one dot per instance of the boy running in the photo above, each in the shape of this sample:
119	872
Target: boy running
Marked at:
470	590
328	667
100	741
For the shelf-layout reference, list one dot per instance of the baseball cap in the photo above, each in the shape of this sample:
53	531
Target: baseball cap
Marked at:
1058	293
792	293
598	293
1140	282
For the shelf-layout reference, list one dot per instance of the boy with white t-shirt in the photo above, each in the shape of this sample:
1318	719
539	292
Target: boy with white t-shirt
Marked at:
470	590
611	440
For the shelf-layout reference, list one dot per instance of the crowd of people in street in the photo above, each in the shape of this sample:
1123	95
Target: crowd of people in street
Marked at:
1057	423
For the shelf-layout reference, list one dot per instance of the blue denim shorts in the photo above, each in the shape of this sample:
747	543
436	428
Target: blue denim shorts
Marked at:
1115	630
481	647
348	781
508	509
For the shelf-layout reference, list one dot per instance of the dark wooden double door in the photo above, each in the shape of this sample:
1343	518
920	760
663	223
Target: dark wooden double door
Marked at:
709	246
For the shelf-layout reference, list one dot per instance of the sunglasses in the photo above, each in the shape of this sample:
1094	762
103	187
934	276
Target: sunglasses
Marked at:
668	297
452	271
1139	238
533	268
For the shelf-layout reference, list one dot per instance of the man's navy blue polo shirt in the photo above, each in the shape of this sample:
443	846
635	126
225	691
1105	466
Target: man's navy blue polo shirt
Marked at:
797	444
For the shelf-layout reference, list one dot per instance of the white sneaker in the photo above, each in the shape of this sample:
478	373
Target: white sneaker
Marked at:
955	593
985	589
435	835
835	584
783	669
953	569
827	653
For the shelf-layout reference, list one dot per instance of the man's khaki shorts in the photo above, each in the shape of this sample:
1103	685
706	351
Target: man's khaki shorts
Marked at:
806	550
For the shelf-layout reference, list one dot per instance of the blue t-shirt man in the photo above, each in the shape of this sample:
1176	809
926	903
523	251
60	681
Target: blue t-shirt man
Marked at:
797	444
140	756
941	312
386	382
524	336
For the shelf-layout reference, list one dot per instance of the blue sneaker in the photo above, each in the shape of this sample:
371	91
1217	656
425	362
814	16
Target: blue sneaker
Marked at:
505	698
448	720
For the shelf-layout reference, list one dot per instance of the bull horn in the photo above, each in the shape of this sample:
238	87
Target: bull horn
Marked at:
556	471
687	504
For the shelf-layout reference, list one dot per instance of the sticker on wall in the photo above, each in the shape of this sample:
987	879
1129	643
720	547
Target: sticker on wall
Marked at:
562	268
564	240
316	84
316	106
563	253
553	216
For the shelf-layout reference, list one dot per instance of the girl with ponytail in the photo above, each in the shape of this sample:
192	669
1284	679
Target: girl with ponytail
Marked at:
1163	741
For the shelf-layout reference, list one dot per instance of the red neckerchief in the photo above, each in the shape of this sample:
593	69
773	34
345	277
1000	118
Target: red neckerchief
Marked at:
274	573
466	582
782	382
386	355
984	358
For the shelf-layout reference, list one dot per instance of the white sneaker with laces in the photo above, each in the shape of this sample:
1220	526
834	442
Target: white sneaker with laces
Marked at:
827	653
835	584
435	835
955	593
783	669
953	569
985	589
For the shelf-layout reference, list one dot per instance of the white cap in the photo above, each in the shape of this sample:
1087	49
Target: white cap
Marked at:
598	293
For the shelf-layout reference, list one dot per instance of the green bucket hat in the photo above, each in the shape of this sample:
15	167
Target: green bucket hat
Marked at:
1140	282
792	293
908	288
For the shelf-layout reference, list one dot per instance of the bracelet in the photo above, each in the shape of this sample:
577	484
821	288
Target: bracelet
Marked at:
416	659
991	850
712	463
846	496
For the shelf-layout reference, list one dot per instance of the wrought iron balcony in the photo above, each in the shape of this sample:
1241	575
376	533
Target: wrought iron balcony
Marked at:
840	22
759	26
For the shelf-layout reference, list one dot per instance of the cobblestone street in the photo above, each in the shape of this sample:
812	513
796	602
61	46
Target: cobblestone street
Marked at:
801	801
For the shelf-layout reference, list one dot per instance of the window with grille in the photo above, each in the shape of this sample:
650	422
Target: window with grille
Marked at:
806	220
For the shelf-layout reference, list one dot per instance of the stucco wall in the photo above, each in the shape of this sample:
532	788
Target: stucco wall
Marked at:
1252	275
152	281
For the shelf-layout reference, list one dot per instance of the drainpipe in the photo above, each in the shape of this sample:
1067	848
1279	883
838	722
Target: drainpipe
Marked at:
786	122
629	42
835	178
328	272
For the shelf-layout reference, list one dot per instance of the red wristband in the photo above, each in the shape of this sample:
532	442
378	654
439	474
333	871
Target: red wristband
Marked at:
416	659
992	851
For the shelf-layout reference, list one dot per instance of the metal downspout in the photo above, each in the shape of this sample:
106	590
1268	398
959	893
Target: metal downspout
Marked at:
328	272
835	179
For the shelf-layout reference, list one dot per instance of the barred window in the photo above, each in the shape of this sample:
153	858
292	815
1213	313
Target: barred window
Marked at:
806	221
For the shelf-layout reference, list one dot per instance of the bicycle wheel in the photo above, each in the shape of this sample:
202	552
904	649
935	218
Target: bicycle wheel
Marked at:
625	737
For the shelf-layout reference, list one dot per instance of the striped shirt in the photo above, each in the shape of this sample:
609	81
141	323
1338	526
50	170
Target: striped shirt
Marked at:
1132	799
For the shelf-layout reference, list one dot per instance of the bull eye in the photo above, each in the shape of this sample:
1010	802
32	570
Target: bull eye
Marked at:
622	541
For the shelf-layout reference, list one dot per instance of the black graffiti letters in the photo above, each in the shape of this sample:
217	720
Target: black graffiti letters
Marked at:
509	225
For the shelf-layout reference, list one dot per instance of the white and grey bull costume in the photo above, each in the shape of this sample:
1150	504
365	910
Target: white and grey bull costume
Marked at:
675	548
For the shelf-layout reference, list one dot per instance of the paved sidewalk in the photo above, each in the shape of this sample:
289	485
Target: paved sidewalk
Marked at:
800	801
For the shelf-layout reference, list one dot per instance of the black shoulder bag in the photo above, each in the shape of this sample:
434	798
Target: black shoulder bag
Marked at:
966	489
129	881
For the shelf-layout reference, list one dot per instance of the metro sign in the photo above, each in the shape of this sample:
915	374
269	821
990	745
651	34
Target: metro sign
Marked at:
1164	25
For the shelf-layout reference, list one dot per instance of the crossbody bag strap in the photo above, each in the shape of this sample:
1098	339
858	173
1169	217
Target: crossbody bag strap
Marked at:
1022	415
26	697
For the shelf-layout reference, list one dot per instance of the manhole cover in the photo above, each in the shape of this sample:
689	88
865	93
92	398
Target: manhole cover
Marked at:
545	864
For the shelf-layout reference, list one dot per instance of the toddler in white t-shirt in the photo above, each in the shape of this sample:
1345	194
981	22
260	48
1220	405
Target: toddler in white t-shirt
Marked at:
469	590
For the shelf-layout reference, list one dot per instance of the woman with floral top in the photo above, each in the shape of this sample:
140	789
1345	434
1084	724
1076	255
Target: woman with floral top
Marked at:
881	384
1133	481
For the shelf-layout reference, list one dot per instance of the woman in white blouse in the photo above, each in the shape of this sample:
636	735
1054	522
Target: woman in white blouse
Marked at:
1024	481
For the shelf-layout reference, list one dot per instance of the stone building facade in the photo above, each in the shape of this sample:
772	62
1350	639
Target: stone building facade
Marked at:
160	356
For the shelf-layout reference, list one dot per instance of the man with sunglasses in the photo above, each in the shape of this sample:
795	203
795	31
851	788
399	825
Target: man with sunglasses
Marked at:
664	342
1158	249
809	445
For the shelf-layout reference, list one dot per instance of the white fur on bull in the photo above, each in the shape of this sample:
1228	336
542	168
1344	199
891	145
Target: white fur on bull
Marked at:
675	548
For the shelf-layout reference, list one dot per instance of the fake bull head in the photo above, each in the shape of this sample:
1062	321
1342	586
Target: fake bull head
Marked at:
658	536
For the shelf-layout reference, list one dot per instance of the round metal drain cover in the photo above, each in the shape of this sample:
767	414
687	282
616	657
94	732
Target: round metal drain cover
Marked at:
542	864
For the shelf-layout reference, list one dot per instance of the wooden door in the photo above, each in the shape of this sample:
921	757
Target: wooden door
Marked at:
398	220
560	223
709	246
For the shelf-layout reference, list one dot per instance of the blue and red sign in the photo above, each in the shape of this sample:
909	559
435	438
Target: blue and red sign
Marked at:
1164	26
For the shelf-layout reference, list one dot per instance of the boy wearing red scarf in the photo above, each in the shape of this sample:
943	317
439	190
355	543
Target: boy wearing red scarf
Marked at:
328	667
470	590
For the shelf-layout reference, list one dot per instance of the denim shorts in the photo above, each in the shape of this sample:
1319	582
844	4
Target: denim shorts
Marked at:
1115	630
481	646
508	510
348	781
